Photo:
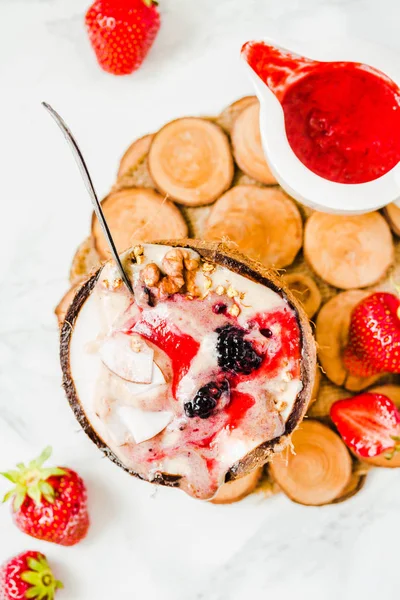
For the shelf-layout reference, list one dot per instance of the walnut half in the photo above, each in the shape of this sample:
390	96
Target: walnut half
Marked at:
151	275
180	273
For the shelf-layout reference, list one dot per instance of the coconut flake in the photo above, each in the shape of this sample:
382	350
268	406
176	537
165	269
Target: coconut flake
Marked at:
123	358
143	425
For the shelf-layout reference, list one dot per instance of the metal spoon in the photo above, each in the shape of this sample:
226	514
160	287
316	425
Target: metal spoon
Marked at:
90	188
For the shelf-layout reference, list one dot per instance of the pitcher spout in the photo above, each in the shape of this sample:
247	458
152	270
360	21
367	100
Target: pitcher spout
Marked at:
274	68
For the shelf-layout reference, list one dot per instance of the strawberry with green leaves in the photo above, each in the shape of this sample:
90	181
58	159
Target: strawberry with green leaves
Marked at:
27	575
122	32
369	424
374	336
48	503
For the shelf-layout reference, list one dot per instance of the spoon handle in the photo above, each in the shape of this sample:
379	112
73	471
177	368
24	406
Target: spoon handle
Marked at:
90	188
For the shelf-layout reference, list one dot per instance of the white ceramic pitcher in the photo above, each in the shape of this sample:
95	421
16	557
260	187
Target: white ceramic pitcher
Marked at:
301	183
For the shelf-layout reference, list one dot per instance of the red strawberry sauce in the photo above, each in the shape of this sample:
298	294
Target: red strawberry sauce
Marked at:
239	405
179	347
178	329
342	119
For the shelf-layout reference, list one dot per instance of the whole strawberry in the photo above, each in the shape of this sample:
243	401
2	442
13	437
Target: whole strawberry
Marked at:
27	575
122	32
360	367
374	336
48	503
369	424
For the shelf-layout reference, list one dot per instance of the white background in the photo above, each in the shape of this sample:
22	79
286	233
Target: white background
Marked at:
146	543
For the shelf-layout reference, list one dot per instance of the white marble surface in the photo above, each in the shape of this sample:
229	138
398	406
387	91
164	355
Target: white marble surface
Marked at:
145	543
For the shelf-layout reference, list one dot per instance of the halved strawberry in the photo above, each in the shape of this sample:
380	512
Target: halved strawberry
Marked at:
368	423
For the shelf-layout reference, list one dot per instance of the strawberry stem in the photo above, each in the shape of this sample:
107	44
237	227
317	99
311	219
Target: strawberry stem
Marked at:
396	448
32	481
41	579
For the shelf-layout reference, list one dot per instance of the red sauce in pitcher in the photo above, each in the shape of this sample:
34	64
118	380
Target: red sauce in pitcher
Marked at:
342	119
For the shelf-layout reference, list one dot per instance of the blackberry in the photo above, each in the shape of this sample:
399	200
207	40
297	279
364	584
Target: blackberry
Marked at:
205	400
236	354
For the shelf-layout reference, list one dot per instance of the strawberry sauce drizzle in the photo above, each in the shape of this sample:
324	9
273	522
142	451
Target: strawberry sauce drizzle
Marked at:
289	334
179	347
200	436
182	348
239	405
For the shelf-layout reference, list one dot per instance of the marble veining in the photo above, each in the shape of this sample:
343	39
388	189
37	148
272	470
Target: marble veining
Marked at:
152	544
